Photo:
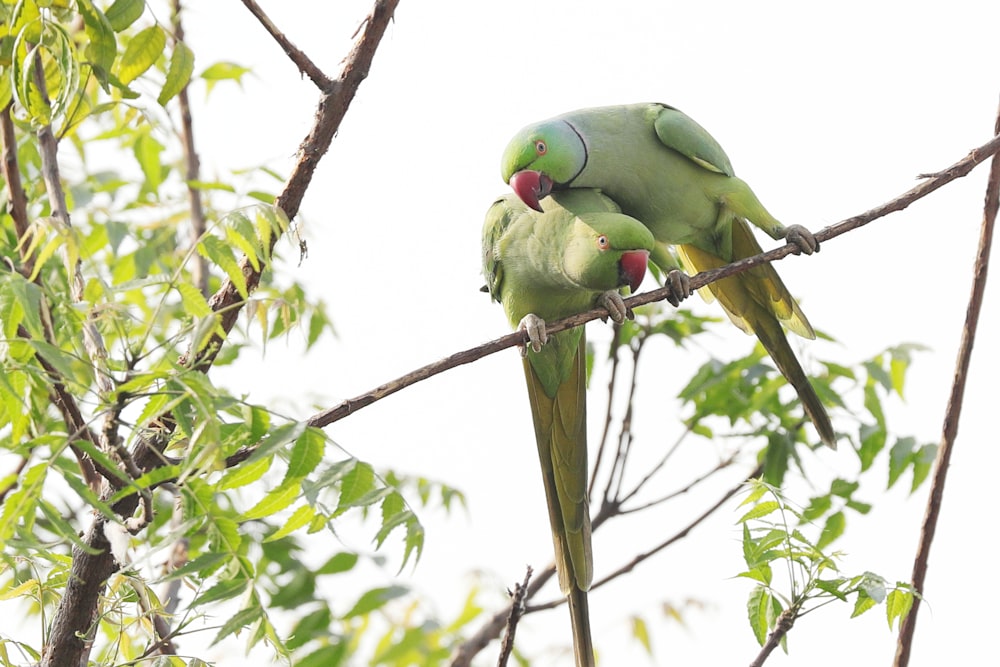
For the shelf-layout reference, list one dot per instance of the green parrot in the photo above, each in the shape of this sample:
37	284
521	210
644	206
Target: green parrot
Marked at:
663	168
574	254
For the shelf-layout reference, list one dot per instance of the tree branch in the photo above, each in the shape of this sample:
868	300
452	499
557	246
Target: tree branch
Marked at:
192	166
933	182
954	409
301	60
333	105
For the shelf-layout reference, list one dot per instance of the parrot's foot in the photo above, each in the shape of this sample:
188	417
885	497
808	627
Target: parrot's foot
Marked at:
680	287
801	239
535	326
615	304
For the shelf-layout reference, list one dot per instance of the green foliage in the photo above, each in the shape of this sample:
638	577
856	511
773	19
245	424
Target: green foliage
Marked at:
245	490
775	537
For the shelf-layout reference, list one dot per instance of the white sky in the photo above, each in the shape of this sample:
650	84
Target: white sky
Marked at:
826	112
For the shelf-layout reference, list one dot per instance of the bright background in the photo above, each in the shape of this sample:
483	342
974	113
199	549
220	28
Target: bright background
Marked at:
826	110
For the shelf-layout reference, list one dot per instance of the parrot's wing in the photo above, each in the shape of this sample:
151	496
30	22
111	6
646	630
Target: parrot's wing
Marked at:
678	131
499	217
766	290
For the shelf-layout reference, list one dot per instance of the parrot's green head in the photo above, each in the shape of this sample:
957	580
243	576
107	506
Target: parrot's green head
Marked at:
541	157
607	251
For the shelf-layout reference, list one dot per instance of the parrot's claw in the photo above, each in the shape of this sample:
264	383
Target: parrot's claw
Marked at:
680	287
535	326
615	304
801	239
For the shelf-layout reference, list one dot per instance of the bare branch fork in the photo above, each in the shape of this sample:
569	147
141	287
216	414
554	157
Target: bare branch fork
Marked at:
931	183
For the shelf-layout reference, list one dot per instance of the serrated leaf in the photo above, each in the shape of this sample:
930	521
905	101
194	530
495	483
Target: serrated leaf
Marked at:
238	621
276	500
898	605
241	235
222	256
862	604
277	439
178	73
29	586
307	452
375	599
760	510
141	53
225	534
224	590
245	473
298	519
757	612
357	483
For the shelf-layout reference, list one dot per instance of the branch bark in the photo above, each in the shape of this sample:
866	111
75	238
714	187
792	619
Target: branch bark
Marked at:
333	104
932	183
954	410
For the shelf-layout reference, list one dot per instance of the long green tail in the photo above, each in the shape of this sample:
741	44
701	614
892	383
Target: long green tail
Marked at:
560	418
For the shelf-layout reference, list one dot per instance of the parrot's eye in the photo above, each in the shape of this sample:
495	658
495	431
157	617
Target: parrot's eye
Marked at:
541	148
602	242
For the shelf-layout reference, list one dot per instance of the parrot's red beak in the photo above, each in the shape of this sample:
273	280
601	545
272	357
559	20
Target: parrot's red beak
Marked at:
633	267
530	187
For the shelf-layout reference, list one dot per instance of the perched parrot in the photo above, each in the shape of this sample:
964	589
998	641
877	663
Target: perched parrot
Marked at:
664	169
574	254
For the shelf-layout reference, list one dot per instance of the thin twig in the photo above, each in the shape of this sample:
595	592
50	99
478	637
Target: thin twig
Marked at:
17	201
781	627
676	537
192	166
954	409
933	182
516	611
302	61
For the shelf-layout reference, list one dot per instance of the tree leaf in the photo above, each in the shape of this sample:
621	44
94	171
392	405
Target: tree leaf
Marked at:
306	454
375	599
224	590
123	13
102	46
178	73
141	53
757	612
299	518
276	500
341	562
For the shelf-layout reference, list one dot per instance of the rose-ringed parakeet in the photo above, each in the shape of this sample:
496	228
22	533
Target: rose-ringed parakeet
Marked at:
663	168
574	254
